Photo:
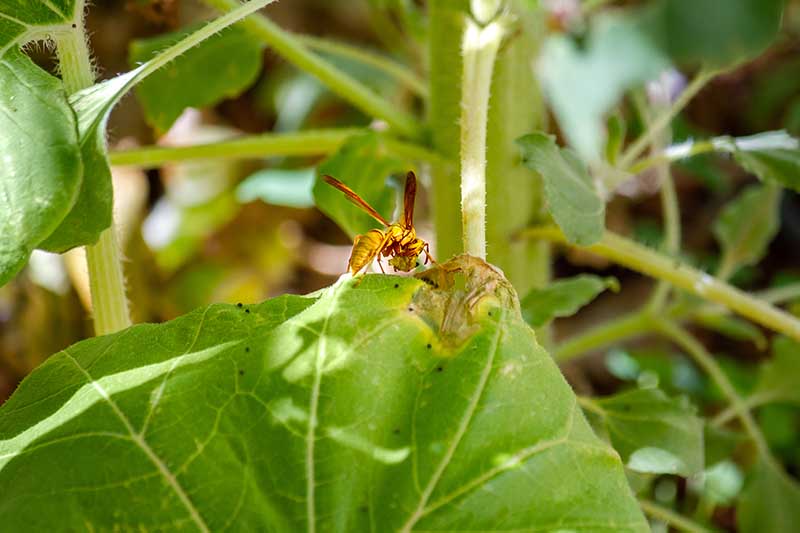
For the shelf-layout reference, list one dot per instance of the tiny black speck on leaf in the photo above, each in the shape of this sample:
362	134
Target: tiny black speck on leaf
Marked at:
439	368
396	285
247	349
74	25
246	310
411	308
490	313
396	431
241	372
239	304
429	346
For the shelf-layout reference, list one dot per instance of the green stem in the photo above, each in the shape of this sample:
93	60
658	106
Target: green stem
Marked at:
670	208
751	402
516	107
625	327
106	279
649	262
663	120
670	517
445	25
704	359
378	61
303	143
639	323
291	48
479	50
670	155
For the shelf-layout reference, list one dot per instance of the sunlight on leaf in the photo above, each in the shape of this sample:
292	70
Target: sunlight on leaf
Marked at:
355	408
40	163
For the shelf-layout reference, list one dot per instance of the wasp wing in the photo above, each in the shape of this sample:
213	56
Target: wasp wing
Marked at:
409	195
356	199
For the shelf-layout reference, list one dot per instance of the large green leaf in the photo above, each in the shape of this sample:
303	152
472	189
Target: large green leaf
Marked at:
40	169
748	224
653	432
770	501
363	164
220	67
583	83
563	298
571	195
378	404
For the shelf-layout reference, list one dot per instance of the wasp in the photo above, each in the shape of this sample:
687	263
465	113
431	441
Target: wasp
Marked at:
398	241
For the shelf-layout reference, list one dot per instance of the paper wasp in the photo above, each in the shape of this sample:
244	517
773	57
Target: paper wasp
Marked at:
398	240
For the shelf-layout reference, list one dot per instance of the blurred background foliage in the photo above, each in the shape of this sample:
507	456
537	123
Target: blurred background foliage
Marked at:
233	230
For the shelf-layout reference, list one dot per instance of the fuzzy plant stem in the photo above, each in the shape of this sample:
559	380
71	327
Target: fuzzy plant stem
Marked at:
479	49
103	261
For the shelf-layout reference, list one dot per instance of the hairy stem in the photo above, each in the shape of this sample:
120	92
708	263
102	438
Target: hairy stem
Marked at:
103	261
446	23
303	143
649	262
292	49
479	49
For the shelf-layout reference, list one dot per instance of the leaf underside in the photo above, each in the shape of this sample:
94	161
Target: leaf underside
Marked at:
347	408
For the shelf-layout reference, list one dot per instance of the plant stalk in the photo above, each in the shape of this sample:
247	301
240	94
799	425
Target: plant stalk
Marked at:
642	259
103	260
664	119
446	23
479	50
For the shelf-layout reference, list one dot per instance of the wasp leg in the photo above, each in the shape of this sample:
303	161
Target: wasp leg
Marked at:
381	264
428	256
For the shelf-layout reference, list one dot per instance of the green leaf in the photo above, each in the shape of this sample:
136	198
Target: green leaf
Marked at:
92	212
362	164
779	378
583	83
22	21
653	432
563	298
571	194
747	225
770	501
722	483
741	29
348	409
779	165
218	68
41	169
278	186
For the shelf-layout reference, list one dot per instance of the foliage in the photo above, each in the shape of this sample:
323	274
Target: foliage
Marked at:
438	418
410	403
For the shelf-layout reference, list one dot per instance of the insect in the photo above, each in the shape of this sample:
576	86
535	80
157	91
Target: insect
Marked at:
398	241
